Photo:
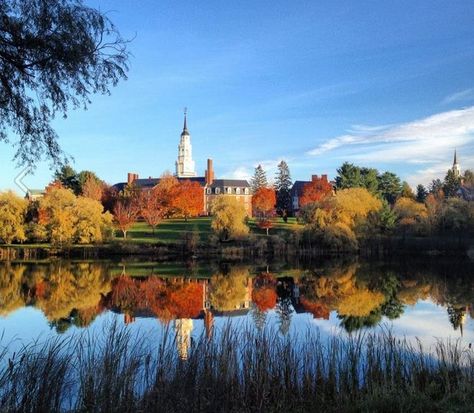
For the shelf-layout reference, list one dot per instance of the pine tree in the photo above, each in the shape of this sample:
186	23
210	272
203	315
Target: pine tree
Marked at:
259	179
451	184
421	193
283	187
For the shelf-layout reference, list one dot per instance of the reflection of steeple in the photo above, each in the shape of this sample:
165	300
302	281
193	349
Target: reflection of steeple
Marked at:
183	327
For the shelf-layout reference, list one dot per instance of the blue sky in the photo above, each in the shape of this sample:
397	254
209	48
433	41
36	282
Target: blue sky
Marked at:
383	84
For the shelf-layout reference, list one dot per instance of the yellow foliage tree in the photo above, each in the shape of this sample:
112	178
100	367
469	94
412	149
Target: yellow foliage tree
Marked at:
12	217
93	225
229	291
228	218
361	303
410	213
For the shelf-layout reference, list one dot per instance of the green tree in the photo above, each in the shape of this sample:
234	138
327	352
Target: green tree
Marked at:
451	184
407	192
435	186
283	187
68	178
83	177
468	178
421	193
54	54
228	218
348	176
259	179
370	179
12	217
389	186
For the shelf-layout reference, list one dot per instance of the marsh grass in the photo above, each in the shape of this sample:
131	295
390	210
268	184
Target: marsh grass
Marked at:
236	370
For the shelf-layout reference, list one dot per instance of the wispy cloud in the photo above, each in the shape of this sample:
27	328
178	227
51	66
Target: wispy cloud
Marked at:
462	96
424	142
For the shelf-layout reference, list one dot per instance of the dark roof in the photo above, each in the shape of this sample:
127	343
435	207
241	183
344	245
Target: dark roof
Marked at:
149	183
297	188
221	183
466	193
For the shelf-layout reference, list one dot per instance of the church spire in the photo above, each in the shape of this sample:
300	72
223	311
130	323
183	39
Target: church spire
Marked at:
185	126
456	167
455	158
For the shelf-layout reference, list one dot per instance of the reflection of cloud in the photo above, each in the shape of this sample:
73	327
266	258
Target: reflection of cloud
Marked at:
463	95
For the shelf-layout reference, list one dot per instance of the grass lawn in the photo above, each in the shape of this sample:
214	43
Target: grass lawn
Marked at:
173	230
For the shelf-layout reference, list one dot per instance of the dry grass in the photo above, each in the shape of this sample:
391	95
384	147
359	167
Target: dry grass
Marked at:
236	370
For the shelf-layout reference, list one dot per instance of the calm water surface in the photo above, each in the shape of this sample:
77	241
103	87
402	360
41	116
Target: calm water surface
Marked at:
428	299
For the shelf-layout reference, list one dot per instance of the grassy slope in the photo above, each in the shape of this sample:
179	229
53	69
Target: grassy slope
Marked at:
173	230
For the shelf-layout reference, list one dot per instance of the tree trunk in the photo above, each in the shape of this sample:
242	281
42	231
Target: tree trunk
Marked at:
124	233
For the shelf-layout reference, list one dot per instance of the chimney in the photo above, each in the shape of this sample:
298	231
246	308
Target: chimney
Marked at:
209	172
314	178
131	177
324	178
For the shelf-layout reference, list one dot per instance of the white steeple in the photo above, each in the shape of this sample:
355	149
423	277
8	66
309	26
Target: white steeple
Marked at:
185	164
456	166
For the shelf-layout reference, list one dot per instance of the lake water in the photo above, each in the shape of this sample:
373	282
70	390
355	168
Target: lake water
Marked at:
428	299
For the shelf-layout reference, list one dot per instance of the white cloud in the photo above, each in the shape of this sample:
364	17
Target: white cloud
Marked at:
462	96
240	173
422	142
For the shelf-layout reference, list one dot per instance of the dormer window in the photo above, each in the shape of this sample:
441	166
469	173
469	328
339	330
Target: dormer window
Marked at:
208	191
246	191
218	190
237	191
229	190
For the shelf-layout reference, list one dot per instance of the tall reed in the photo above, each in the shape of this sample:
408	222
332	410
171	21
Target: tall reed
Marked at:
236	369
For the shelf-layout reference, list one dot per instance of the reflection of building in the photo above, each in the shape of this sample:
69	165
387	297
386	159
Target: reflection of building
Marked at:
184	328
185	170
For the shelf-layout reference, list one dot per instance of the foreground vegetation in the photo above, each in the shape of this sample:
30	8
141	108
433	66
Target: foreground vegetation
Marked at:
236	371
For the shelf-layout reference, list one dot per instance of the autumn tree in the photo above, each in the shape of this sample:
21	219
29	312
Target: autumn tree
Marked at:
282	186
407	192
263	206
92	188
151	208
53	56
228	218
166	192
411	214
188	199
315	191
259	179
12	217
227	292
125	214
93	224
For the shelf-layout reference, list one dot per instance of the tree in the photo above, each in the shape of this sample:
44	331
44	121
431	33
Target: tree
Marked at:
93	225
125	215
92	188
435	186
411	214
369	178
166	192
188	199
468	178
229	217
407	192
259	179
315	191
54	55
389	186
348	176
12	217
283	187
421	193
67	176
263	201
151	208
451	184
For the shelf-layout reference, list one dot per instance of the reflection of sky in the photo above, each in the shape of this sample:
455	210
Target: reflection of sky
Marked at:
426	321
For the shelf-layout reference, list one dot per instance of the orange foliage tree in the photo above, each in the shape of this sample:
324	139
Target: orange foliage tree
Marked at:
263	205
188	199
264	298
166	193
315	191
125	214
151	207
93	188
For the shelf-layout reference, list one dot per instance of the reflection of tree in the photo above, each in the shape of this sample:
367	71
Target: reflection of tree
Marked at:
227	292
259	317
284	307
11	296
457	316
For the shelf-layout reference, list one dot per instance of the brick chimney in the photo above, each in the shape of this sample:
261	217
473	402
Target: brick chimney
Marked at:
209	172
131	177
314	178
324	178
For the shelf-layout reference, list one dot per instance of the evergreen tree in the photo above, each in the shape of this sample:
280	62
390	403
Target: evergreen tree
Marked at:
369	179
259	179
68	178
421	193
283	187
348	176
389	186
435	186
451	184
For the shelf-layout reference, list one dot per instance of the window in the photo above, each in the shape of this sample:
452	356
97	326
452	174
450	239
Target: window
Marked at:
246	191
229	190
237	191
218	190
208	191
